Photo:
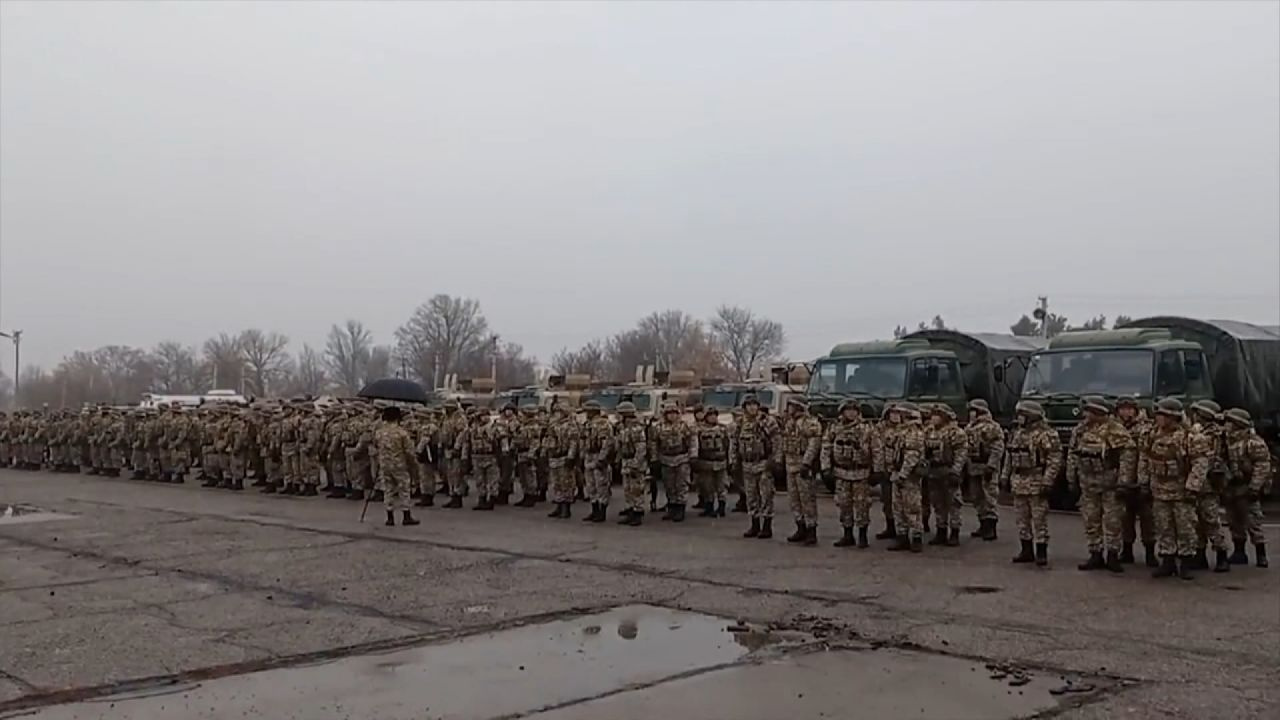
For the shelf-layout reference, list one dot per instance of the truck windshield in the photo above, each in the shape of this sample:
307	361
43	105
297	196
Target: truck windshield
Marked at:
880	376
1084	372
729	399
607	401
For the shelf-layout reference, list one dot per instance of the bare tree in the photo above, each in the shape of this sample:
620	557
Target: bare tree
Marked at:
266	357
1121	321
346	354
125	372
379	364
225	360
439	334
1097	323
590	359
668	340
745	340
174	368
308	376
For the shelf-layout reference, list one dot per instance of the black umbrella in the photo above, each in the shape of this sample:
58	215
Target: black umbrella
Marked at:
395	389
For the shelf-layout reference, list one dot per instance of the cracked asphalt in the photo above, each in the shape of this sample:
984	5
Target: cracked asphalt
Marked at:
154	585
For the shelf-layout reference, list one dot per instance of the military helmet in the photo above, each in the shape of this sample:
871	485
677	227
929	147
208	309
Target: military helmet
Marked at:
850	404
979	405
453	404
709	410
670	407
1030	407
509	406
529	410
942	409
1096	403
907	408
591	406
1239	416
626	407
1207	408
797	402
1169	406
1126	401
750	399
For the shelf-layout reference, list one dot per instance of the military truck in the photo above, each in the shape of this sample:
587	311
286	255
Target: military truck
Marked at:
930	366
785	381
1235	363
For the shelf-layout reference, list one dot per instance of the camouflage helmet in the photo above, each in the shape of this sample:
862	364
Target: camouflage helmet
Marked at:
750	399
670	407
798	402
1169	406
1207	408
1096	403
708	410
979	405
849	404
942	409
1238	416
1126	401
1030	407
529	410
452	404
591	406
908	408
509	406
626	407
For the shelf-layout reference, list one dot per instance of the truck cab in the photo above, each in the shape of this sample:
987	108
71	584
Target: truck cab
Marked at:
880	372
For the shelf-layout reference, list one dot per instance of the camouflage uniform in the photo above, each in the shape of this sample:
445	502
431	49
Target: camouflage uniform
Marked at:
481	446
597	460
1034	460
508	423
712	463
357	437
1100	456
947	452
310	446
1250	481
560	447
751	448
632	445
848	452
394	449
336	452
452	428
139	443
526	444
886	439
1137	521
674	444
906	467
238	440
290	436
1208	440
986	451
800	446
1166	468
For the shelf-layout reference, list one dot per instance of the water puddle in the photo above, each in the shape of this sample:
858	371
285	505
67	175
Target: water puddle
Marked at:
21	514
513	671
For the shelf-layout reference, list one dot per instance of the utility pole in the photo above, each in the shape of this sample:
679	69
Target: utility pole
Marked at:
16	337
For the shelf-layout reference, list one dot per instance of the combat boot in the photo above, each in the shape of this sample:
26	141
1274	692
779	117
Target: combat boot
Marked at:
668	510
1199	561
678	515
1167	568
917	543
259	482
391	519
1113	562
901	542
862	538
1095	562
1220	564
502	499
741	505
239	485
953	538
1042	554
624	515
940	537
484	502
754	530
700	505
720	508
799	535
1184	568
991	530
602	515
1150	551
1126	554
337	493
427	500
455	502
209	482
526	501
1028	553
708	509
1238	554
595	509
557	512
811	536
407	519
766	529
356	494
307	490
634	519
270	489
1260	552
889	532
981	530
291	489
846	540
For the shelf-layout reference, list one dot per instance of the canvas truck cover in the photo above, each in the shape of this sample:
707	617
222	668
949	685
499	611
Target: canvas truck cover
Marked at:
1244	362
979	355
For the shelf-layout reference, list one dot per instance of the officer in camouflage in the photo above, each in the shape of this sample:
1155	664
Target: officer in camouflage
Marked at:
674	444
800	447
1166	468
526	444
597	460
560	445
906	467
886	438
394	449
751	452
1137	521
632	444
1034	460
1100	456
1250	481
946	452
848	453
986	452
1208	440
452	428
712	463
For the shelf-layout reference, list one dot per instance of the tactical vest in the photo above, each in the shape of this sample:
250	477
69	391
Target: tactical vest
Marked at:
483	441
1023	457
1163	456
752	442
712	445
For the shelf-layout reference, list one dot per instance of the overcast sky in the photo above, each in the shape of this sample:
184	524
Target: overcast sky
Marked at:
169	170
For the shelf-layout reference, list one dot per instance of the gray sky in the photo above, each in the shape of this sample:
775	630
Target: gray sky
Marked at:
169	170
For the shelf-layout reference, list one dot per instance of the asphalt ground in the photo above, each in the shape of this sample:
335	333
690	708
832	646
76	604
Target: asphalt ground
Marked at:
175	594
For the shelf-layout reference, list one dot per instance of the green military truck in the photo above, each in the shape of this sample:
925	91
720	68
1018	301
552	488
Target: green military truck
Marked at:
1235	363
930	366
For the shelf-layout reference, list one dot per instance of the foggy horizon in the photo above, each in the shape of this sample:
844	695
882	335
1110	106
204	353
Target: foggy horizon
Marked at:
171	171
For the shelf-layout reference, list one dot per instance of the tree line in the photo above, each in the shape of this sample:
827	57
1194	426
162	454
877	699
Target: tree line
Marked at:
446	335
1026	326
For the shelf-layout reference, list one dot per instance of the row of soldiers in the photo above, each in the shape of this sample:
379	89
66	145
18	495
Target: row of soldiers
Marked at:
1156	476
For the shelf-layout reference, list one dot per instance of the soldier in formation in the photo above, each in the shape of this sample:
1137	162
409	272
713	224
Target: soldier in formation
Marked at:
1034	457
946	453
752	443
986	452
1136	520
800	446
849	454
1100	457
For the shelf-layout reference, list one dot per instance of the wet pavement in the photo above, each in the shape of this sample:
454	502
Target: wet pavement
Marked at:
146	601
